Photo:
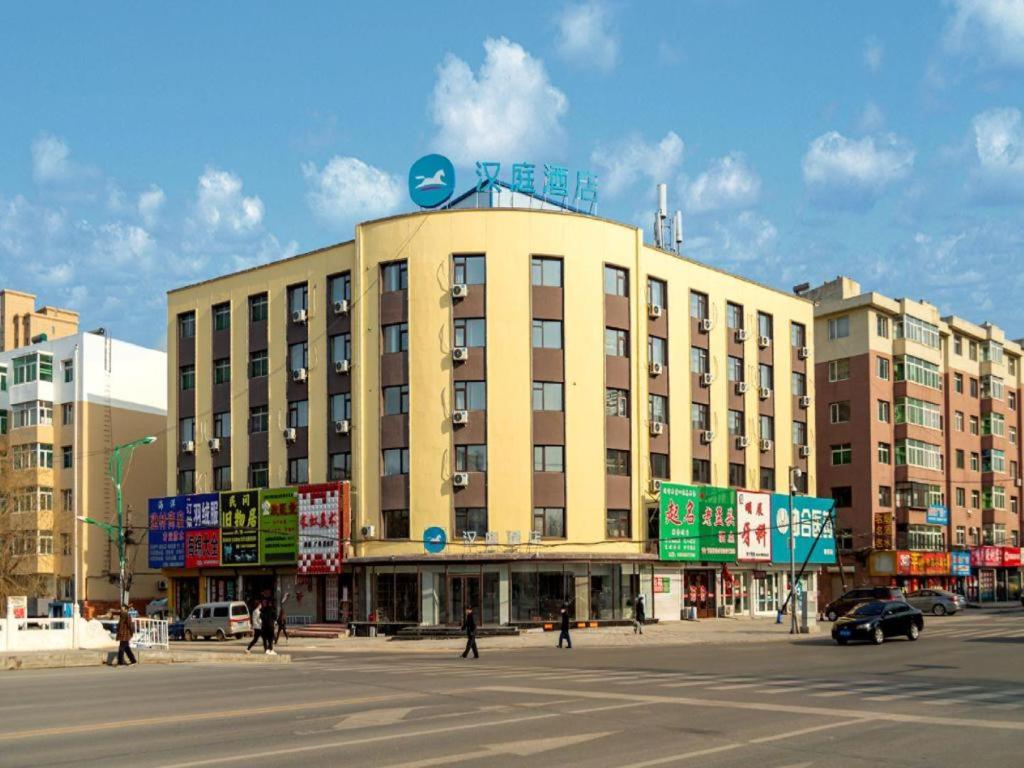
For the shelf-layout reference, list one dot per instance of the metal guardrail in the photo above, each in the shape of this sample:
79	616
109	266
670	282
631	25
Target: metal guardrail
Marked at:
150	633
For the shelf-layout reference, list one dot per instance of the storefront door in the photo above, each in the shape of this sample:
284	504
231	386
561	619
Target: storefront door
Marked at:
464	592
700	592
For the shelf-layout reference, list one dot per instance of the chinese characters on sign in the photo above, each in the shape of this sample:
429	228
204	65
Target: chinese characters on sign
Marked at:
809	517
279	529
239	528
166	537
556	182
883	530
323	527
183	531
753	521
718	525
679	528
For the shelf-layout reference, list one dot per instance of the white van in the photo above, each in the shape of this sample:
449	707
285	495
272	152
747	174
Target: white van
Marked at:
220	620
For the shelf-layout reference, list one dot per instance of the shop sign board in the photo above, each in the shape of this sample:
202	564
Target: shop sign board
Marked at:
279	526
324	528
202	511
239	528
202	548
17	606
165	537
913	563
1011	557
809	516
960	562
718	525
753	526
986	557
882	563
883	530
937	515
679	524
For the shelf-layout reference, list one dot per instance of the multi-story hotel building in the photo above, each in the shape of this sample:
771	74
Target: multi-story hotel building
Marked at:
918	428
521	379
64	404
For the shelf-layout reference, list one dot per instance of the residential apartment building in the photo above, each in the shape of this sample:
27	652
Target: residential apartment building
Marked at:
919	442
21	322
520	379
64	403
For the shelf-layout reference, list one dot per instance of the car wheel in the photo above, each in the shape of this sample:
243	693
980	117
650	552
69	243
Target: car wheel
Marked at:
878	636
832	616
189	636
939	609
221	637
913	633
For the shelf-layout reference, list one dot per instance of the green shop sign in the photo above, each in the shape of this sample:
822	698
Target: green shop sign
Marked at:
279	526
697	523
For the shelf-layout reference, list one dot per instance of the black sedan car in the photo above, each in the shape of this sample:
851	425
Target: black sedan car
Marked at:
854	597
876	620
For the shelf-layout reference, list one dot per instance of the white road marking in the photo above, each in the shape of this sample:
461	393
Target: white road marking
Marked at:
520	748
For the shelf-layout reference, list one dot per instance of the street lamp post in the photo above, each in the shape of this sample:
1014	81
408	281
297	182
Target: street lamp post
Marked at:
794	475
120	457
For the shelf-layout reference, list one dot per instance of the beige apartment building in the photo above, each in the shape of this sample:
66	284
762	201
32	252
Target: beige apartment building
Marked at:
64	403
521	379
21	322
918	427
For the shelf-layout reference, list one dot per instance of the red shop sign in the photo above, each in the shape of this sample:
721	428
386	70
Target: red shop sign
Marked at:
904	565
987	557
1011	557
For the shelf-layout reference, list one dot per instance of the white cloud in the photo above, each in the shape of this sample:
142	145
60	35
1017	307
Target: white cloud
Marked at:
585	36
855	172
508	110
348	190
220	205
150	203
999	147
621	164
746	243
991	30
873	54
872	119
728	183
51	159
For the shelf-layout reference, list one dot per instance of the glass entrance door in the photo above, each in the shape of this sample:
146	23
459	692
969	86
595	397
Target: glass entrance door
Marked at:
463	591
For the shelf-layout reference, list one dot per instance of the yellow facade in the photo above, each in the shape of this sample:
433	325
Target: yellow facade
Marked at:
508	239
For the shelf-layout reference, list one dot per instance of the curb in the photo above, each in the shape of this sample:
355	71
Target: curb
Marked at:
67	659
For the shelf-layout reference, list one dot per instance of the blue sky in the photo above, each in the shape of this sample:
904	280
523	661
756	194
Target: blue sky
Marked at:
143	148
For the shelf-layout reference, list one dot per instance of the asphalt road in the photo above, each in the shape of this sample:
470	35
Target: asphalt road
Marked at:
951	699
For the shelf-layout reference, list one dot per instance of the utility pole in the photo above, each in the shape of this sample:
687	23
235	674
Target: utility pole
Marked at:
794	474
119	458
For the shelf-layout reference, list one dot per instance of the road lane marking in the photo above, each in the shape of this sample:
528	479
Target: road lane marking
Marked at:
520	748
588	710
862	714
171	719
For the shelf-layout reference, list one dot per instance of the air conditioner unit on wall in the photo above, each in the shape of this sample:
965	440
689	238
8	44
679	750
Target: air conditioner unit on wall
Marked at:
460	479
341	366
763	342
289	434
657	428
460	417
299	375
765	445
741	387
705	325
299	316
213	444
460	354
741	335
805	401
803	353
764	393
654	311
805	451
342	427
368	531
188	446
706	436
460	291
655	485
706	379
742	441
656	369
341	307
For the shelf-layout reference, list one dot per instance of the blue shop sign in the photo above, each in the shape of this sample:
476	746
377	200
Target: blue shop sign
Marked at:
435	540
960	562
937	515
809	516
431	181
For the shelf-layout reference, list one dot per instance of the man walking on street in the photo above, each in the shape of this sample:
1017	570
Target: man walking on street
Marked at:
125	632
267	616
257	631
469	627
564	634
282	622
639	615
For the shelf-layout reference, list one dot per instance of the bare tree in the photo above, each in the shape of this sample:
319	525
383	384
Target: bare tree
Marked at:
17	545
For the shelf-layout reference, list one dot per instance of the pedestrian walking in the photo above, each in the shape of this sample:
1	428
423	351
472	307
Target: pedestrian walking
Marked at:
469	627
564	634
639	616
267	617
282	622
257	630
125	632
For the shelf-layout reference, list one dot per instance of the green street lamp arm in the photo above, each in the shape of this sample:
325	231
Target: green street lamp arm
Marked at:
110	530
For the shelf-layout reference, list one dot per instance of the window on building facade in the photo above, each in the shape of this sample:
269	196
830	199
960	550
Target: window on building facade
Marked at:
973	388
396	400
882	368
340	406
700	416
737	475
396	461
839	370
222	478
838	327
548	458
222	370
914	329
974	425
765	325
910	410
884	453
958	383
547	334
991	387
975	461
546	272
885	496
736	424
298	298
396	337
339	288
471	520
221	317
616	402
187	377
472	395
470	332
843	496
222	424
298	413
958	344
186	325
298	470
616	342
884	411
839	412
470	458
469	270
765	376
734	369
616	281
657	293
341	347
958	421
657	408
700	471
766	478
798	384
259	364
187	429
67	414
68	367
842	454
659	466
797	335
699	360
961	497
993	424
766	427
910	368
394	276
259	419
917	453
617	524
733	316
258	308
549	522
259	474
396	523
882	326
616	462
186	481
799	433
340	466
961	535
657	350
698	305
298	356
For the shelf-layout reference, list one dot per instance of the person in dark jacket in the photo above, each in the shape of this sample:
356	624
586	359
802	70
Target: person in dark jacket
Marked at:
564	634
282	622
639	616
469	627
268	621
125	632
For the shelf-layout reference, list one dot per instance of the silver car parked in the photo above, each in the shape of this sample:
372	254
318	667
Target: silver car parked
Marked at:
937	601
219	620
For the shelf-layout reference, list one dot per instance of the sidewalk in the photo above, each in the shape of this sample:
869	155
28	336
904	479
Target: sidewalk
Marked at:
15	660
707	632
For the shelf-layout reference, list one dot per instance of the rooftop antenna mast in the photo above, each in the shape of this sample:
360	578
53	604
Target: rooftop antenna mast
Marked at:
661	216
677	231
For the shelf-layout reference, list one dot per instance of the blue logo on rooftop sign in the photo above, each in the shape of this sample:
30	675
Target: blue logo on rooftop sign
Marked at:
431	181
